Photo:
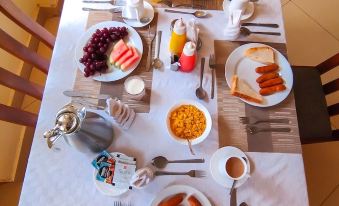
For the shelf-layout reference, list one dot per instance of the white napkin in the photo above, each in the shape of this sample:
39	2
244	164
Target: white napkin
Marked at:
192	31
142	177
121	113
232	30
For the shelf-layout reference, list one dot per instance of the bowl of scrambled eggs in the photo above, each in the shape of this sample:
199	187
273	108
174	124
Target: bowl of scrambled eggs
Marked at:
188	120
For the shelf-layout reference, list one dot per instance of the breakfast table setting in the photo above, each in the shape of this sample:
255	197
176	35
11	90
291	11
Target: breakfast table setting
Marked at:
168	103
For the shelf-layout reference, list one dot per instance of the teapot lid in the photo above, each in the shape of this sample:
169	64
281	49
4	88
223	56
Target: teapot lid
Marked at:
67	122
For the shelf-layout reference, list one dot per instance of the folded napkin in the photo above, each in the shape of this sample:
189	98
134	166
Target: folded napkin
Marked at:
232	30
142	177
192	31
121	113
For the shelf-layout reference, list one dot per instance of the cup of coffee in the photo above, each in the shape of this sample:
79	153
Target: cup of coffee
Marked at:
238	5
234	167
134	9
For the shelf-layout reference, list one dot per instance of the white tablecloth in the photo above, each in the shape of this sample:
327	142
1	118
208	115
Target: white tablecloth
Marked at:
65	177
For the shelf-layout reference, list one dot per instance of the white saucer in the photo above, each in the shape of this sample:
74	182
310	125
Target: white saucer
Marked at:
105	188
222	154
148	13
247	14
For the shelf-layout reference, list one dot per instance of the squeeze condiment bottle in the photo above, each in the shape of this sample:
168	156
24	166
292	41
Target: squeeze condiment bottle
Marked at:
188	57
178	38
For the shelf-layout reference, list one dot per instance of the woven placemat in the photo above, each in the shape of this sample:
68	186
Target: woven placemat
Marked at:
230	108
116	88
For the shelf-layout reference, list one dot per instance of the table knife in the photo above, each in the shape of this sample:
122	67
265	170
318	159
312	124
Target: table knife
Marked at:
70	93
260	24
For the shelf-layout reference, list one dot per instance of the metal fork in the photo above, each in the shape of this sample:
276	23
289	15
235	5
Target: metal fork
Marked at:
118	203
191	173
253	120
112	10
255	130
212	65
151	36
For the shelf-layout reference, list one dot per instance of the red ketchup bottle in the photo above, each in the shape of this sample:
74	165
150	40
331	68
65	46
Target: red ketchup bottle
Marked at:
188	57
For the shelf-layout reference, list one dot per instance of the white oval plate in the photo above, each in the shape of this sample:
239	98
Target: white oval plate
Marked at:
220	155
175	189
201	108
238	64
113	72
148	13
105	188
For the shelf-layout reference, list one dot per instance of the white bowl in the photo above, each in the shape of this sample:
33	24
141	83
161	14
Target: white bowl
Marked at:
201	108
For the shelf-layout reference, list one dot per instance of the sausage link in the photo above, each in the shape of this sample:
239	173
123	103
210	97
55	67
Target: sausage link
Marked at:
271	82
271	90
267	76
267	68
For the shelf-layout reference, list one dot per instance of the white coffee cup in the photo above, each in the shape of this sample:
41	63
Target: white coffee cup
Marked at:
134	9
238	4
223	170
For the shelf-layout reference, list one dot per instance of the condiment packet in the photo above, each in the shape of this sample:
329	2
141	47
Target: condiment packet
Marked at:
106	172
123	174
103	157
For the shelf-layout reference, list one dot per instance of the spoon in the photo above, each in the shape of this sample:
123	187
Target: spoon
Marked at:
161	162
190	146
246	32
143	20
198	13
157	63
200	92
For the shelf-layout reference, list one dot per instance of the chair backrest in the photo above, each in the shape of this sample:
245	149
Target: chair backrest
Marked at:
11	45
331	86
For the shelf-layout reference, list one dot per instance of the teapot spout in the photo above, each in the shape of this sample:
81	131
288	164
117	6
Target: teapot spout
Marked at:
52	136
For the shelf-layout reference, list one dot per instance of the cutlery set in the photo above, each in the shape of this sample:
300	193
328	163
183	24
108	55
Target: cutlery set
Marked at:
249	122
160	162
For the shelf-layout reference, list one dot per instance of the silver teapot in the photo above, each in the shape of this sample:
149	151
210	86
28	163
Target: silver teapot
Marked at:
86	131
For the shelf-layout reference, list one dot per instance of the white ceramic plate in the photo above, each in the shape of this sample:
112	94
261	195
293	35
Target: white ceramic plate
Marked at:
113	72
175	189
105	188
218	157
238	64
148	13
247	14
201	108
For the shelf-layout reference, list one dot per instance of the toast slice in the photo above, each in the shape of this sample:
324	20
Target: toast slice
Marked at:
263	55
240	88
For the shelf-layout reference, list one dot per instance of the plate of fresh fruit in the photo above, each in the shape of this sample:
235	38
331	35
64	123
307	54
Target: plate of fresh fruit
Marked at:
109	51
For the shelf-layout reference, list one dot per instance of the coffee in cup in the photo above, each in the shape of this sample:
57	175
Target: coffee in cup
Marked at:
235	167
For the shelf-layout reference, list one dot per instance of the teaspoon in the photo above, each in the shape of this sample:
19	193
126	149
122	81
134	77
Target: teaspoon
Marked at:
142	20
200	92
198	13
157	63
161	162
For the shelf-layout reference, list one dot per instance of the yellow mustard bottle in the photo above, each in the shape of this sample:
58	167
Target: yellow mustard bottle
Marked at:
178	38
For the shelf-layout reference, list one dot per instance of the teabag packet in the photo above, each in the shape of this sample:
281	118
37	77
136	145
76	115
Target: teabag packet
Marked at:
124	172
125	167
105	157
106	172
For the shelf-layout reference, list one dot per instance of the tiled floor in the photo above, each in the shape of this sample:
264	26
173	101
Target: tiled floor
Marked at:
312	29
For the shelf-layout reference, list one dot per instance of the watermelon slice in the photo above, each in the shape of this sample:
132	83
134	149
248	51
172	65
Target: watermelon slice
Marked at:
119	49
124	57
129	62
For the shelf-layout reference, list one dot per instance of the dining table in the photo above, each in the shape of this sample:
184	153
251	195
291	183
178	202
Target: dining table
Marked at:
64	176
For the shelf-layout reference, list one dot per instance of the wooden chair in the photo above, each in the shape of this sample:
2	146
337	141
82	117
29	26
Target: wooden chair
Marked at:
312	110
8	79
